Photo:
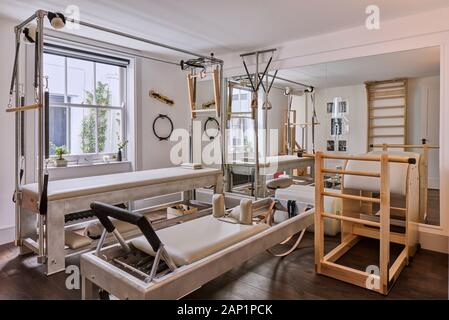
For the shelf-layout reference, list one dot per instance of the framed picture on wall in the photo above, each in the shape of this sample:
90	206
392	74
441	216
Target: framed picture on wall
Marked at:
342	107
342	146
336	126
330	145
330	107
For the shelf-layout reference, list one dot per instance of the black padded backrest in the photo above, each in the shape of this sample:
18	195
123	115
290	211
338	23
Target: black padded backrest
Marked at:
103	211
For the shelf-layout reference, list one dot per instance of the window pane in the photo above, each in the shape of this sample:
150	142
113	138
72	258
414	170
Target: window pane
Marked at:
57	128
80	81
83	130
241	137
109	130
241	100
108	85
54	69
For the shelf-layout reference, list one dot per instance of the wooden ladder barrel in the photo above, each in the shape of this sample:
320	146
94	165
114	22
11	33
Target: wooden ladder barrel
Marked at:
354	226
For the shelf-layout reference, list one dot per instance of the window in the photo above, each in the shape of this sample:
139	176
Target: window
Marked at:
87	103
241	136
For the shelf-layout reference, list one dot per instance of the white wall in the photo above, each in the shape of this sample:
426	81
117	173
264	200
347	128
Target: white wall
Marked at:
355	96
356	115
7	134
423	120
169	81
275	121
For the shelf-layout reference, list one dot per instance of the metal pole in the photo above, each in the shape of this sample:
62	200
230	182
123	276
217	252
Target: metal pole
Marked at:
41	117
124	51
312	98
265	120
289	121
257	53
291	81
18	151
25	22
256	129
129	36
265	151
223	121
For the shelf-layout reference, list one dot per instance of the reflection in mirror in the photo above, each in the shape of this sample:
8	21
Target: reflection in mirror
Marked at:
363	103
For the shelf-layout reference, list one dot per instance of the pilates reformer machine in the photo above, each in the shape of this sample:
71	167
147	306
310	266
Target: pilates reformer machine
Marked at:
284	163
53	203
260	166
172	262
369	182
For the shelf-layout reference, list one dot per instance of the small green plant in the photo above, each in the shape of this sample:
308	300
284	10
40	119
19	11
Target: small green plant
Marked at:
121	144
60	151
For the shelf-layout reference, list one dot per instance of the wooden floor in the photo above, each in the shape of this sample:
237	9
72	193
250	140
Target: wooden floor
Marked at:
263	277
433	207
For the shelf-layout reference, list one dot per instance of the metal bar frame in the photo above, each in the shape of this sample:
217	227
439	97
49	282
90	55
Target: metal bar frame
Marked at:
140	39
39	17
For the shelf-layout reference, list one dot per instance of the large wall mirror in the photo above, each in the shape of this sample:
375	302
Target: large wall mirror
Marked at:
391	99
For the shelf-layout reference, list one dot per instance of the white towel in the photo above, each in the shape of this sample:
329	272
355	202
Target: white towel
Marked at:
193	166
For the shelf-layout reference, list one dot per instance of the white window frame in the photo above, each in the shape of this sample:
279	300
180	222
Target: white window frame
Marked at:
233	148
66	53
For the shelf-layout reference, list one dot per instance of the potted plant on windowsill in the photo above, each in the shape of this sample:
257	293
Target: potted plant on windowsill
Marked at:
122	144
60	161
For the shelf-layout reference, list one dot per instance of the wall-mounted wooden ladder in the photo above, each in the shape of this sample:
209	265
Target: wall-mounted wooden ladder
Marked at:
387	111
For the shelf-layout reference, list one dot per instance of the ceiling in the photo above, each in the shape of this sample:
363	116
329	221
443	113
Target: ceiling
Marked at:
221	26
409	64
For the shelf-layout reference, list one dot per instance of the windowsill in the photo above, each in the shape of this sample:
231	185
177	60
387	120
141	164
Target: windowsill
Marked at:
87	165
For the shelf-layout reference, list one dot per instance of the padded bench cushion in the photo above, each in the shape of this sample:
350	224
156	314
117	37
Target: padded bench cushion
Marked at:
68	188
194	240
273	160
75	241
398	174
306	194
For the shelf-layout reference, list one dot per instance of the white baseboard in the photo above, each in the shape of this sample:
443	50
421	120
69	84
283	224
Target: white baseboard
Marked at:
434	242
7	234
434	183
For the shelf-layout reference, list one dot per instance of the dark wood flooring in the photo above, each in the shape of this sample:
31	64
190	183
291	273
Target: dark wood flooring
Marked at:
263	277
433	207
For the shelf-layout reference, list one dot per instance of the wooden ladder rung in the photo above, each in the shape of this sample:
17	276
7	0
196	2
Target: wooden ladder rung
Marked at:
386	107
385	88
350	219
204	110
388	93
354	173
386	117
24	108
387	126
399	96
350	197
387	136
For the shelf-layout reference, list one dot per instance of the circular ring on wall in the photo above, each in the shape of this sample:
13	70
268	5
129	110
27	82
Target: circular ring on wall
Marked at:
211	119
161	117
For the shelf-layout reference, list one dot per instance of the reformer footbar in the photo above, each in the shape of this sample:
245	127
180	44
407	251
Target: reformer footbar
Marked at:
104	212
